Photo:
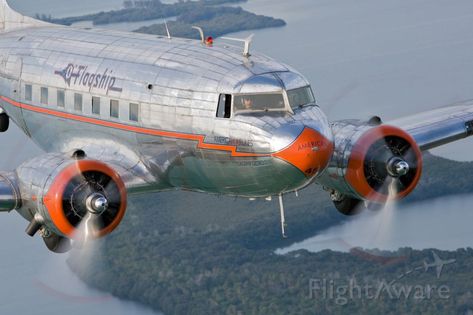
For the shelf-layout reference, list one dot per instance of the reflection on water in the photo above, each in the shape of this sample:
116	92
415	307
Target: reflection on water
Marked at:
444	224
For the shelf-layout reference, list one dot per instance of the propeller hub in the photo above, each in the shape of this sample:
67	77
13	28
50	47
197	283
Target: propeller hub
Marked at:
97	204
397	167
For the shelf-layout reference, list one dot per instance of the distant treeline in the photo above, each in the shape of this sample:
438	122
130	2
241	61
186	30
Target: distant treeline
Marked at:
216	21
190	253
215	18
135	11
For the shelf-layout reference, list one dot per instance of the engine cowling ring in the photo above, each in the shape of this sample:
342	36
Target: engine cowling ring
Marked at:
63	196
360	175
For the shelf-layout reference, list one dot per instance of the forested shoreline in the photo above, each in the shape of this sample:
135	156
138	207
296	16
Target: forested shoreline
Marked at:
216	17
190	253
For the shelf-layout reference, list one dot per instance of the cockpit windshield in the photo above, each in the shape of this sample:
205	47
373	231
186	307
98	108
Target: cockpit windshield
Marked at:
300	97
259	102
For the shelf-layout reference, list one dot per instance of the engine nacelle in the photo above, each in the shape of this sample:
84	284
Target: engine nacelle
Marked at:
372	163
58	192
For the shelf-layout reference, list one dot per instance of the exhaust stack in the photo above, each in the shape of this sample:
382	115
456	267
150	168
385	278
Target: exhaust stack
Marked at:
9	196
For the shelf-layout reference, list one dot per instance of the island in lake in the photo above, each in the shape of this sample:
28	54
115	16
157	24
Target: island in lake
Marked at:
214	16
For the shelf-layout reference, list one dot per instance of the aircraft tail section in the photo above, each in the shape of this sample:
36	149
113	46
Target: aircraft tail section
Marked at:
12	20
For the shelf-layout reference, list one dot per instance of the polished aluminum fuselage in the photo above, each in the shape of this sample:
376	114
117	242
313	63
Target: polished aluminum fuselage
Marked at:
178	142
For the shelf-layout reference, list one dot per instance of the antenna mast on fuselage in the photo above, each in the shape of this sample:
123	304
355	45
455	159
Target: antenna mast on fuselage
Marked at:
167	29
247	41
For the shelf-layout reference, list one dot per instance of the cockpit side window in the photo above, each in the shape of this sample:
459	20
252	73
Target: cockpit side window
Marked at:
259	102
300	97
224	106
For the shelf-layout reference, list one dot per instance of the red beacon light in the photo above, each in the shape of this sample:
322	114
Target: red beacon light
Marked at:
209	41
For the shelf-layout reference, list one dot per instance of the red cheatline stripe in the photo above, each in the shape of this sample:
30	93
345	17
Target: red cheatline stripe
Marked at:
167	134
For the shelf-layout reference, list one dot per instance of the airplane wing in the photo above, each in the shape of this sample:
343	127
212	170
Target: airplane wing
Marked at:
375	162
82	193
137	177
438	127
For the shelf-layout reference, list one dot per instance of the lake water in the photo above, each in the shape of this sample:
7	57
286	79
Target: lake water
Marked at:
35	281
391	58
124	26
63	8
443	224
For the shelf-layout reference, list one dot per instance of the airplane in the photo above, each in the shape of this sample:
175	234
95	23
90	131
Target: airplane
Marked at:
438	264
122	113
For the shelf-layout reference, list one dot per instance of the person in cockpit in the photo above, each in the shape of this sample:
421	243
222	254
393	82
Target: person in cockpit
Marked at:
247	103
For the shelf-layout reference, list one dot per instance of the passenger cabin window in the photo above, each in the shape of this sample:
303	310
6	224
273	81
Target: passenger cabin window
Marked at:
28	92
224	106
96	105
44	95
134	108
114	109
61	98
259	102
300	97
78	102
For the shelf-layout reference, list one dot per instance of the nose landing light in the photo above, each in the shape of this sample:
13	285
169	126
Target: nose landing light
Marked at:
310	152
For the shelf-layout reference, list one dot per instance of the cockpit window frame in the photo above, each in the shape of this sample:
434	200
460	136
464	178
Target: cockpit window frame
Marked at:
314	101
222	106
284	93
286	109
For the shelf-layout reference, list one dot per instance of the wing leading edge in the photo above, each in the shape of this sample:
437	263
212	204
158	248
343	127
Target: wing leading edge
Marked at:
438	127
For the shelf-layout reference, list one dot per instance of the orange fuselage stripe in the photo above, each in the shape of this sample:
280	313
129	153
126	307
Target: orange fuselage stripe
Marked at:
298	153
167	134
